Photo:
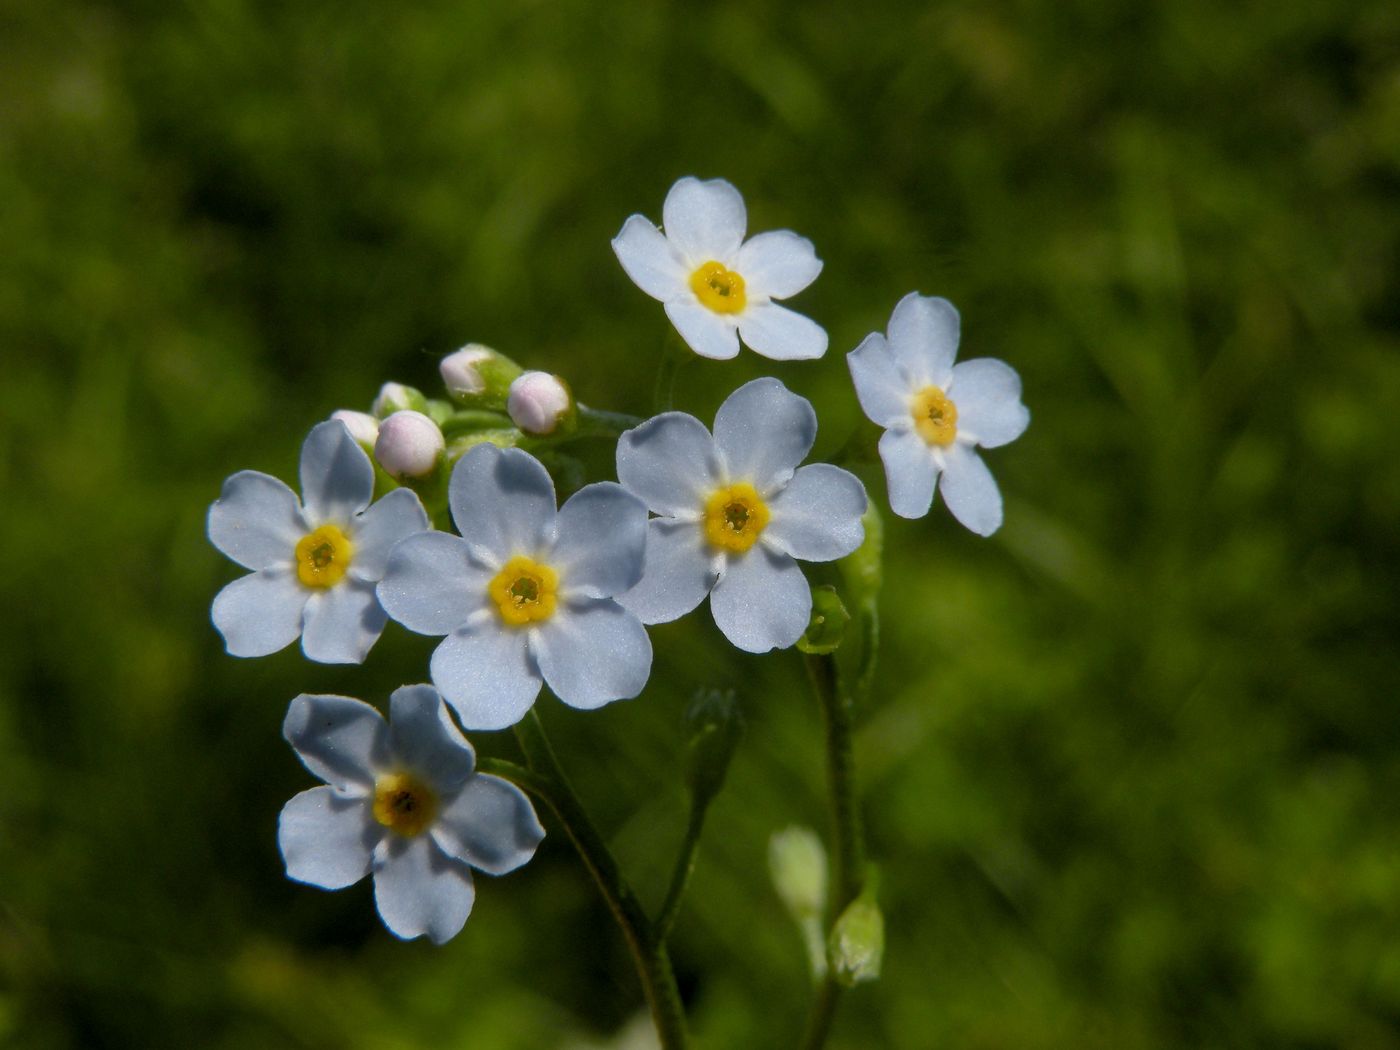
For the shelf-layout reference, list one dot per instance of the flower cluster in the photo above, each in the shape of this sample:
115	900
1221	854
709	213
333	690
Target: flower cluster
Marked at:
528	593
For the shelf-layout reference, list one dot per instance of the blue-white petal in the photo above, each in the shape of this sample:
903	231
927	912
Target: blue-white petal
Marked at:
883	391
490	824
670	462
337	478
327	839
987	393
342	623
923	336
592	653
421	890
256	521
397	516
777	264
910	472
761	601
704	220
342	740
970	491
260	613
781	334
502	500
431	585
763	430
704	331
679	572
423	738
601	543
817	515
487	674
650	259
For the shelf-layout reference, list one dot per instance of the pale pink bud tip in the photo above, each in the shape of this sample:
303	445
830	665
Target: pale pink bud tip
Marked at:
409	444
537	402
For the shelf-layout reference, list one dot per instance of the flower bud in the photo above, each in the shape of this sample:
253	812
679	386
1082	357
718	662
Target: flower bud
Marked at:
856	947
396	397
363	427
827	627
862	569
409	446
797	863
716	726
539	402
478	376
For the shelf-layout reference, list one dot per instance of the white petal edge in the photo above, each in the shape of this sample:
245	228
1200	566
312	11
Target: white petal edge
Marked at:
487	675
704	220
649	259
679	572
704	331
342	623
490	825
592	653
987	393
777	264
342	740
761	601
923	336
260	613
670	462
601	541
502	500
326	839
420	890
397	516
424	739
910	472
256	521
970	491
781	334
431	585
337	478
763	430
817	515
881	388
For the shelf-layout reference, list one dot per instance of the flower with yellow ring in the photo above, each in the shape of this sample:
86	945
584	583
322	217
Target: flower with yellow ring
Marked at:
404	804
323	555
735	517
525	591
719	288
935	416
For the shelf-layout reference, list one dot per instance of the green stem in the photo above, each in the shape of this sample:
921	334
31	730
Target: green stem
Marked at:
648	952
673	352
680	876
823	1013
596	422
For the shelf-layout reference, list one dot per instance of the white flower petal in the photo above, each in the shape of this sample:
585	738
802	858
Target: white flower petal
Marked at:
602	541
670	462
256	521
881	388
761	601
763	430
970	491
342	623
326	839
777	264
337	478
678	573
398	515
705	220
487	675
816	516
987	393
342	740
592	653
649	259
490	824
502	500
431	585
423	738
923	335
909	472
421	890
704	331
781	334
260	613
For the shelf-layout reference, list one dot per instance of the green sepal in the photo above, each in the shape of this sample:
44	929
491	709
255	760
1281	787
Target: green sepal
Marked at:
827	627
856	947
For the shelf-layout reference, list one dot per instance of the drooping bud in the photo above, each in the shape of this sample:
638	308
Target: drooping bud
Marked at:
397	397
409	446
716	726
539	403
827	627
477	376
363	427
797	863
856	947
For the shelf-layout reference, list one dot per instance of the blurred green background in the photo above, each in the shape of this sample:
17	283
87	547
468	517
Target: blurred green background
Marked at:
1133	767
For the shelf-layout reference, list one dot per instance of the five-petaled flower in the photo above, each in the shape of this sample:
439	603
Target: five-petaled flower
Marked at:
526	592
735	511
403	801
315	564
716	286
935	412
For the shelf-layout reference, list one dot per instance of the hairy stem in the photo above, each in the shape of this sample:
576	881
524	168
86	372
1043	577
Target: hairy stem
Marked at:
648	951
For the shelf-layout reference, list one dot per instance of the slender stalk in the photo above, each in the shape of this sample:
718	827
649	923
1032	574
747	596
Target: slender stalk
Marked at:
823	1013
680	876
596	422
648	952
673	352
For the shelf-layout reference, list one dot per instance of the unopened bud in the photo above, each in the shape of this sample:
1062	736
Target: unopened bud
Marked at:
538	402
397	397
862	569
857	944
409	446
478	376
716	727
827	626
797	863
363	427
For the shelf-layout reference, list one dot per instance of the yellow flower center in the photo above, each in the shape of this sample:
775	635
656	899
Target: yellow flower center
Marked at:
404	804
524	591
322	556
935	417
720	289
735	517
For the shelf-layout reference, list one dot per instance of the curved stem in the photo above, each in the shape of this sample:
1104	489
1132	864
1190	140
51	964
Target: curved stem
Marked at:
648	952
680	876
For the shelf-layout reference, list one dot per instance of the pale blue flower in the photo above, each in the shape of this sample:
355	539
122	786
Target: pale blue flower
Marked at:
404	802
735	512
936	413
315	562
525	594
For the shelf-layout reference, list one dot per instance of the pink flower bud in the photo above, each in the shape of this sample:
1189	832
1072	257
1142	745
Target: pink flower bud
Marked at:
461	371
363	427
537	402
409	445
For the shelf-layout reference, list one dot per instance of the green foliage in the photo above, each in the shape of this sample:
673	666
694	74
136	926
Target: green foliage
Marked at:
1126	765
